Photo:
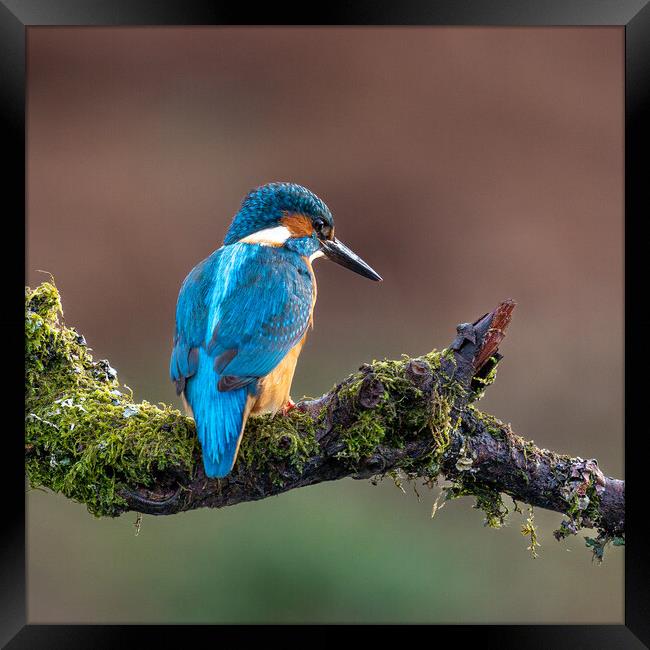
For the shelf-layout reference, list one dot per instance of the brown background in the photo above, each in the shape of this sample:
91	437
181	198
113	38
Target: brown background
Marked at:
466	165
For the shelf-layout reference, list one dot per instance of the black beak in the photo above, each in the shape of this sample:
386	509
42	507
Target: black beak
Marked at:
341	254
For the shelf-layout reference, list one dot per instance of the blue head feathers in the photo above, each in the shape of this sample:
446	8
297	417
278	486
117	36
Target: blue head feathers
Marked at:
265	207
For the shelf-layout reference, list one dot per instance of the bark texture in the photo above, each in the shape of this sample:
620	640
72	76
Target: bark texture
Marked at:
412	418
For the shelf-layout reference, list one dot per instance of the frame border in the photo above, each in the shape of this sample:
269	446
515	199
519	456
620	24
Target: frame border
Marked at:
16	16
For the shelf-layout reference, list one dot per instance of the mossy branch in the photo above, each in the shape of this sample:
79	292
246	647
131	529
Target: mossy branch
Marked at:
86	437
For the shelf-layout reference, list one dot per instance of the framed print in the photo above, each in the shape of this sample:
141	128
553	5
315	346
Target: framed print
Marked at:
201	385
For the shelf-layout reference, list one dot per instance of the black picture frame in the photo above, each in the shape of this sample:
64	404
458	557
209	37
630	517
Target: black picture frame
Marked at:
16	16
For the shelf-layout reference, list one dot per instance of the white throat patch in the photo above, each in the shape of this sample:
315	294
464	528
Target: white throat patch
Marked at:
268	237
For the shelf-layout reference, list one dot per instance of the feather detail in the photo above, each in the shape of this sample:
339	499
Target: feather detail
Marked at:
240	313
219	418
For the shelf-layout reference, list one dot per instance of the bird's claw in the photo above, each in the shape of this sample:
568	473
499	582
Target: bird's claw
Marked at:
288	407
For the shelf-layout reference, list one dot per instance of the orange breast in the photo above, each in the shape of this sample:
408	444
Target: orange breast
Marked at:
273	390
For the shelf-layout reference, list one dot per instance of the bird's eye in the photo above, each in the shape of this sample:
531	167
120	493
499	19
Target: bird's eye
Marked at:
318	224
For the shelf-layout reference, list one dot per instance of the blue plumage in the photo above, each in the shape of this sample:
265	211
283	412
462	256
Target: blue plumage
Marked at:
238	314
218	417
241	311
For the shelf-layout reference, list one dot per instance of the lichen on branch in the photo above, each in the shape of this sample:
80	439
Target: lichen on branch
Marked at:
411	418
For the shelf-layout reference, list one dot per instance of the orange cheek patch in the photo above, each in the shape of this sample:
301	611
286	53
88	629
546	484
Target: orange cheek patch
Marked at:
298	225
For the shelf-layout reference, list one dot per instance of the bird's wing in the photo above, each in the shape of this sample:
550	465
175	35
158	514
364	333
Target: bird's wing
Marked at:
239	313
191	320
261	309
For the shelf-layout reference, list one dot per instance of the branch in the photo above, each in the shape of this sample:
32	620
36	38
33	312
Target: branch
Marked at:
86	437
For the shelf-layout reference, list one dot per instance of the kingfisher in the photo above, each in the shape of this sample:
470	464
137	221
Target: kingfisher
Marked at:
243	314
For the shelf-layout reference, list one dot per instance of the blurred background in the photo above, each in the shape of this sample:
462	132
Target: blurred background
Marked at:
467	165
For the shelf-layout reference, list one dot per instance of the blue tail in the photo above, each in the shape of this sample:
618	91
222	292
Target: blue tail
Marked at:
218	416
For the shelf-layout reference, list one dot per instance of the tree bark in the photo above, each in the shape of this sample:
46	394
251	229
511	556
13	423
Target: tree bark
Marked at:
412	418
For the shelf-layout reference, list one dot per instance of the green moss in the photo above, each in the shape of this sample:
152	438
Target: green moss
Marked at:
402	411
84	435
441	423
480	384
488	499
530	530
272	440
493	426
364	436
447	353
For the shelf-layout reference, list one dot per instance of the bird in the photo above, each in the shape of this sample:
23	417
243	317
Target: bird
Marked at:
243	313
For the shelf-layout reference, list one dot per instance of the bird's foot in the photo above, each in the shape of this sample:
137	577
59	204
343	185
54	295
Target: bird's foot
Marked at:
288	407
